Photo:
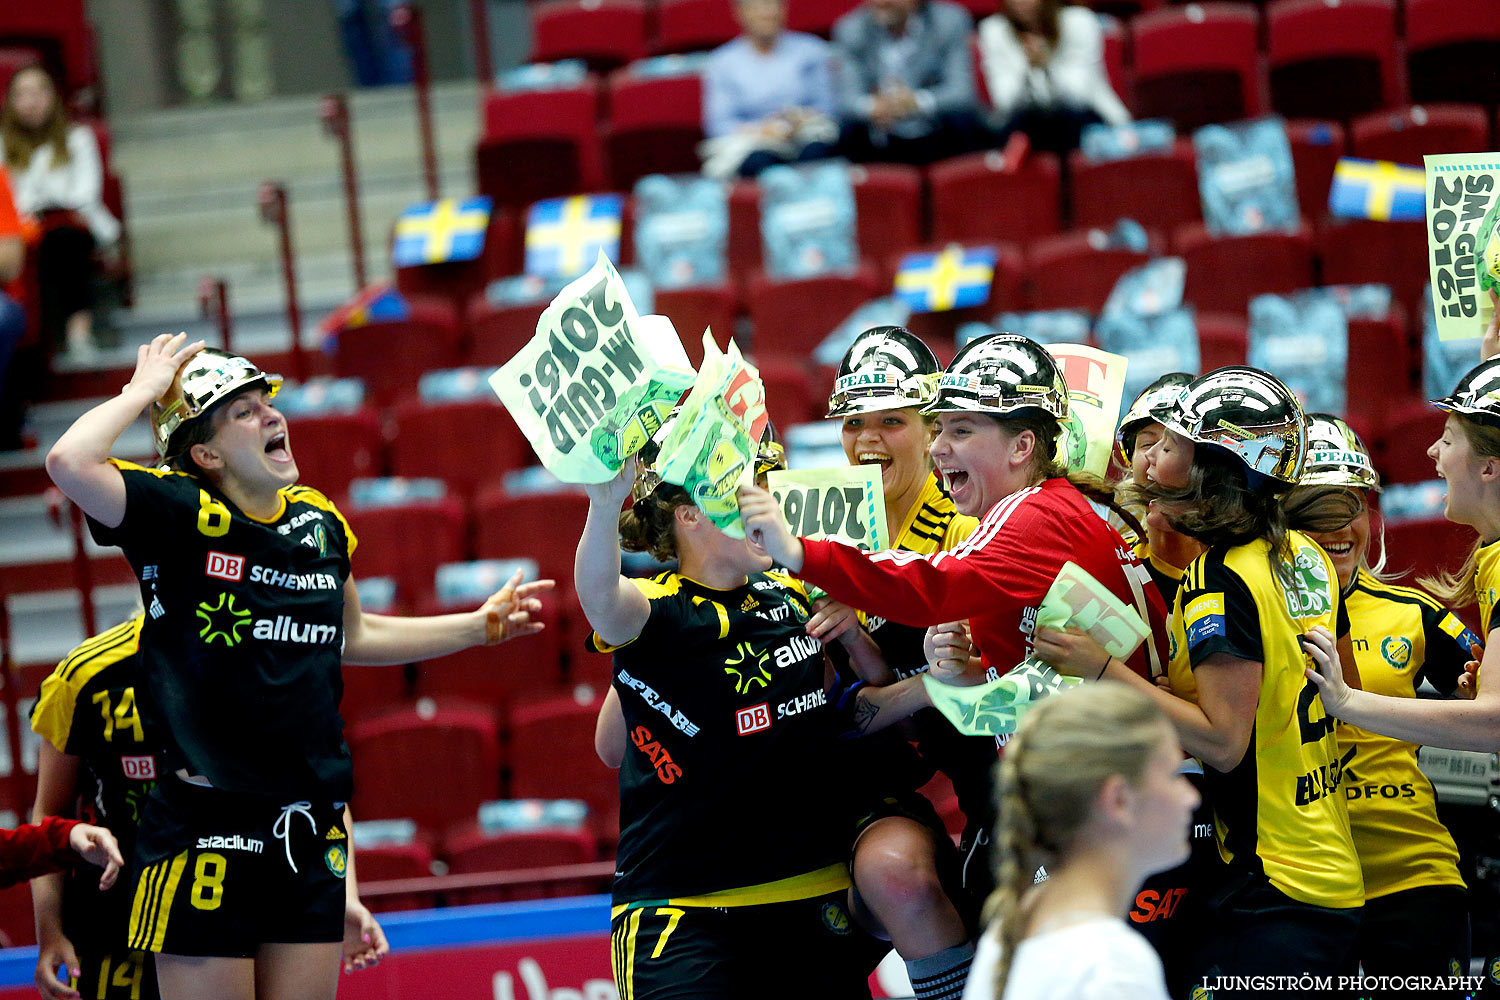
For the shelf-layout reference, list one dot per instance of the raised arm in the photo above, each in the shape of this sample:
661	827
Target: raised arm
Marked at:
615	609
1456	725
79	462
386	640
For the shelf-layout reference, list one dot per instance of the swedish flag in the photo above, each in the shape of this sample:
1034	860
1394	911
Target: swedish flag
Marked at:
565	235
375	303
953	278
1377	189
434	232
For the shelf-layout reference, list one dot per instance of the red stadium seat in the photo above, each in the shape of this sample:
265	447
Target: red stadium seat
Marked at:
817	16
1222	340
470	850
408	541
387	862
540	526
539	144
1408	432
459	280
1423	548
1197	64
1225	272
791	396
544	733
693	310
606	34
465	443
887	208
655	125
1068	272
497	677
1452	49
791	317
1405	135
1158	190
1316	149
1121	80
59	31
496	333
1379	375
433	763
1356	251
1122	10
337	448
391	354
974	199
692	25
1333	58
372	690
744	228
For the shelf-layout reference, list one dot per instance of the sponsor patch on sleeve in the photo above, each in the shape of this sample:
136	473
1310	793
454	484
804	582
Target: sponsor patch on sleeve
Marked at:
1204	618
1460	631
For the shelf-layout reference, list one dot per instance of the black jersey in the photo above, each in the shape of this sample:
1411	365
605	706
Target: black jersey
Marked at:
243	634
87	709
722	799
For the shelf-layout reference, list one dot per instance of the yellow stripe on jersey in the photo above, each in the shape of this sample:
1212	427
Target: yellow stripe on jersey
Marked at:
52	718
1392	805
125	466
788	581
662	585
153	903
818	883
308	495
1285	794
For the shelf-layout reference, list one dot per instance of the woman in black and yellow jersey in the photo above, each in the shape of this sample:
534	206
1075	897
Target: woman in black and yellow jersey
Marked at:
730	875
242	855
909	883
1289	893
1165	552
1416	917
1467	457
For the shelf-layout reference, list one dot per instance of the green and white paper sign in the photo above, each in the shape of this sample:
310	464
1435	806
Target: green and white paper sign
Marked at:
845	504
596	381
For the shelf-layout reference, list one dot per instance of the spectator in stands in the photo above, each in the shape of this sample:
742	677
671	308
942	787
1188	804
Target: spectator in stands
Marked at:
906	81
59	181
12	315
767	95
376	53
1044	66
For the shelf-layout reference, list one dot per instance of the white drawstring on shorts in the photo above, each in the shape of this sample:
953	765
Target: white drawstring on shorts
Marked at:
283	828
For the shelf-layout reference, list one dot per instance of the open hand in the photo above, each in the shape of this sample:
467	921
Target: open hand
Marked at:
1328	675
157	363
98	846
611	495
507	613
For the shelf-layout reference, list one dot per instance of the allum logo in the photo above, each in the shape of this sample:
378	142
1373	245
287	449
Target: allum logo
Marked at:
283	629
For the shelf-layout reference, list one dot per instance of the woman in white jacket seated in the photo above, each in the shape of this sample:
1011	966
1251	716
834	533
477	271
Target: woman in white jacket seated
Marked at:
1043	65
57	174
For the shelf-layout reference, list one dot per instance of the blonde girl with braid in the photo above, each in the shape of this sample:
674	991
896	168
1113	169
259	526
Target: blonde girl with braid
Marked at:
1089	788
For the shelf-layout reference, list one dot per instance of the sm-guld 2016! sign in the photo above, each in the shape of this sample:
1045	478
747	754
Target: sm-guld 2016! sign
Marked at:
597	379
1463	240
846	504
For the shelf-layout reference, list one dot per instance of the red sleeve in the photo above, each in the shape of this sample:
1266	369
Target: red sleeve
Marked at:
35	849
10	222
1003	563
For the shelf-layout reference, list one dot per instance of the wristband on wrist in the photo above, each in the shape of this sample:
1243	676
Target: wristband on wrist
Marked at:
1107	658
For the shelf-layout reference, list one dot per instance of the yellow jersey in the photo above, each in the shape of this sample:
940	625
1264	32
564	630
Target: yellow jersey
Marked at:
1400	636
1278	811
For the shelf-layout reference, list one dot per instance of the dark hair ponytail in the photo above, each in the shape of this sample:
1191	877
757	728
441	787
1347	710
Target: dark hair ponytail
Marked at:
1046	429
646	525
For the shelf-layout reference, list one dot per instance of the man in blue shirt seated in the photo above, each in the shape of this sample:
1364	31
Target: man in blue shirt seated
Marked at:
906	81
768	95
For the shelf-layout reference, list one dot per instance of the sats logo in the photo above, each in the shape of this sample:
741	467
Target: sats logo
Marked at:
666	768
